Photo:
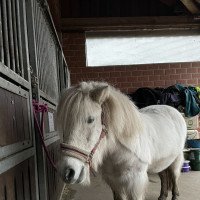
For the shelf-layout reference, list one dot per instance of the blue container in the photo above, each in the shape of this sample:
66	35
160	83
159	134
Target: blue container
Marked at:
194	143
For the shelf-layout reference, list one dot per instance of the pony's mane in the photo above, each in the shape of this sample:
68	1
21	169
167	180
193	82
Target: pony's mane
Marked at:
121	116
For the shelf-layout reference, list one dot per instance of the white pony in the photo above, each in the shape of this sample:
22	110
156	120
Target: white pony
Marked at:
102	128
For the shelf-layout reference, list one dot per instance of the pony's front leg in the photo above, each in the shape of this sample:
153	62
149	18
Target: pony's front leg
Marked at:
137	186
117	189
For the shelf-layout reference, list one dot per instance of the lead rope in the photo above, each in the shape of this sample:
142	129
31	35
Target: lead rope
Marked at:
42	108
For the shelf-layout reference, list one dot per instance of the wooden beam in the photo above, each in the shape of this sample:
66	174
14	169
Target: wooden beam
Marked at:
191	6
89	24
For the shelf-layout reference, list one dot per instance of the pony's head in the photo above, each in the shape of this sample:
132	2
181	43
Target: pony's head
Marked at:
79	119
82	114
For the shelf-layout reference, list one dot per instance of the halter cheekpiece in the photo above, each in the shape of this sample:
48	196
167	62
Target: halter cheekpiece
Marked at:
80	154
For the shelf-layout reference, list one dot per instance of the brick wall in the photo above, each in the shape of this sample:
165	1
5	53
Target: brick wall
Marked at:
127	78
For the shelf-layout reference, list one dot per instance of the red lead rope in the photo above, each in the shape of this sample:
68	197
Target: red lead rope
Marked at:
42	108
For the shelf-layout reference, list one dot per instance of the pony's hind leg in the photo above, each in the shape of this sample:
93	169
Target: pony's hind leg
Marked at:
164	178
175	169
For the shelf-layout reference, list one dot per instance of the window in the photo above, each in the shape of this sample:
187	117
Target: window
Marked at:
146	47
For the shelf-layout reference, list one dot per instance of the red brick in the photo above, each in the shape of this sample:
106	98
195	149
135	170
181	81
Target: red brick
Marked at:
92	75
137	84
196	76
170	82
164	66
137	73
125	73
149	72
159	83
121	79
143	78
131	69
126	85
110	69
115	74
120	69
186	65
192	70
192	82
104	74
147	84
183	81
131	90
196	64
175	65
154	78
175	76
186	76
159	72
132	79
98	69
181	71
165	77
170	71
150	67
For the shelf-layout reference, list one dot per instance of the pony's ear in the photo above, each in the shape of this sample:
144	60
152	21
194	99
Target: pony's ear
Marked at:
100	94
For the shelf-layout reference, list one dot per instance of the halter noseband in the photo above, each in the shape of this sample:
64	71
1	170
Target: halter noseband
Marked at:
81	154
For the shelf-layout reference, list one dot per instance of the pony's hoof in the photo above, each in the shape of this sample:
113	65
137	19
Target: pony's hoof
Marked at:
175	198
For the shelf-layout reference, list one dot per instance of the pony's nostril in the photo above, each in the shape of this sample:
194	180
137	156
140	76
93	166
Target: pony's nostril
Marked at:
69	174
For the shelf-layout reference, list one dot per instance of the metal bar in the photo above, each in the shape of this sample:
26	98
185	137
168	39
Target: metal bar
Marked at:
24	40
33	61
1	37
43	32
14	148
15	77
48	98
10	36
43	63
14	160
13	88
5	34
37	16
51	140
38	31
19	35
15	37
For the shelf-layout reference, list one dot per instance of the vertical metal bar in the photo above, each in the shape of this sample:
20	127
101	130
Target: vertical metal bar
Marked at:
19	35
24	40
33	61
15	37
10	35
41	30
43	47
1	36
5	34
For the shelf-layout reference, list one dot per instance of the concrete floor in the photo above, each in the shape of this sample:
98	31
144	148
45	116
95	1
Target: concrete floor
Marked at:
189	186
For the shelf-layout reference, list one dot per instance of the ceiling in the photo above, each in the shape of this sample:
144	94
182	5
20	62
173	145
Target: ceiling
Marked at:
120	8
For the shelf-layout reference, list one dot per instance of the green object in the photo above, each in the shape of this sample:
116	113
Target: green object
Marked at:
195	165
196	155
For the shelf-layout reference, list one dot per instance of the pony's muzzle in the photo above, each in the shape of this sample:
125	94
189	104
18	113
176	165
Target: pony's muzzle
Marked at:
72	170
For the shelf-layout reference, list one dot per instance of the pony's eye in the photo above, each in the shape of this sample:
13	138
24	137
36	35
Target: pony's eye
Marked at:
90	120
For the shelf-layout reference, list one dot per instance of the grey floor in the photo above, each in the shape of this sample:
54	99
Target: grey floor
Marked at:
189	186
